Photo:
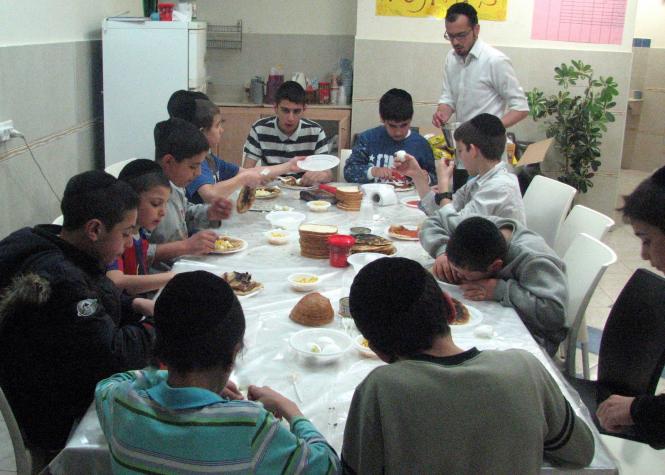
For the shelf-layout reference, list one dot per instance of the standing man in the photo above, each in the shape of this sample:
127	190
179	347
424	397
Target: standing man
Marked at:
477	77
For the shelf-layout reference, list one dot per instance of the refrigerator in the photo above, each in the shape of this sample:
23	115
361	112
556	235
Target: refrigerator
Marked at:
144	62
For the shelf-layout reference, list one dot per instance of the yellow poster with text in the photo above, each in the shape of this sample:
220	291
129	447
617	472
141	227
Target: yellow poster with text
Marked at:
487	9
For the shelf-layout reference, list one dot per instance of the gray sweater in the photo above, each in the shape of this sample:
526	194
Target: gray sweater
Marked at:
532	279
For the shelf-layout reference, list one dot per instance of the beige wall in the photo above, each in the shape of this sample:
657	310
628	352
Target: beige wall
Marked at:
649	21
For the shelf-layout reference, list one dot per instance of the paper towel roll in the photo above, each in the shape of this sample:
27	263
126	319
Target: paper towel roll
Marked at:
382	195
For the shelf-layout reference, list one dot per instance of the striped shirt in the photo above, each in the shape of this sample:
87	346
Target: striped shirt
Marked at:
154	428
268	144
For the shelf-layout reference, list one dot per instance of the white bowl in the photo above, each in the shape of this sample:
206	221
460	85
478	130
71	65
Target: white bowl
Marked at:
278	236
318	206
365	350
303	286
301	342
361	259
285	219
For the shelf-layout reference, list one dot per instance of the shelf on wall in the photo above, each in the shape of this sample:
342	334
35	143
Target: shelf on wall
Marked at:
225	36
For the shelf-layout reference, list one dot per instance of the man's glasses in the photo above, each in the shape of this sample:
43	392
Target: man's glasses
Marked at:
457	36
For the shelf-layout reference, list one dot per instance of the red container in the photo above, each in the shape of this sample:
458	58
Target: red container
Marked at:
340	247
324	93
165	11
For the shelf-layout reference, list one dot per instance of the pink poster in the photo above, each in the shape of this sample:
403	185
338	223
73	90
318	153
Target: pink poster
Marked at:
582	21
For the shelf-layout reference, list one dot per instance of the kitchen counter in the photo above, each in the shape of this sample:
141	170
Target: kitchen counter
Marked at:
309	106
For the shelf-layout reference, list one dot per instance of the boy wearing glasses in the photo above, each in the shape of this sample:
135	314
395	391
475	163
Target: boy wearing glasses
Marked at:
279	138
477	77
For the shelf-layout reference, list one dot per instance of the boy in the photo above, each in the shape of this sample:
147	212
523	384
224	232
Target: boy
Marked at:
278	139
63	324
373	154
493	190
180	148
499	259
190	419
436	408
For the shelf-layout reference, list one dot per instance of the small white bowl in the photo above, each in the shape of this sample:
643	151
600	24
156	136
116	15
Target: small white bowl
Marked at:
278	236
304	286
365	350
302	341
318	206
285	219
361	259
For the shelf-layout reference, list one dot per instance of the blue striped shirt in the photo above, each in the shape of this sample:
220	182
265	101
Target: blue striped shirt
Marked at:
152	427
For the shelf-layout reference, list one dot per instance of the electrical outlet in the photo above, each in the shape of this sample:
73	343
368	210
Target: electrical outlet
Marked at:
6	130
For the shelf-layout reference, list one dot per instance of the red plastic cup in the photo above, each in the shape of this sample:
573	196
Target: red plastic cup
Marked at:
340	247
165	11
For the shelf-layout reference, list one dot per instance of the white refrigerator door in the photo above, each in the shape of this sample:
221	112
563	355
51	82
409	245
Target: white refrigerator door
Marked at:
197	51
144	63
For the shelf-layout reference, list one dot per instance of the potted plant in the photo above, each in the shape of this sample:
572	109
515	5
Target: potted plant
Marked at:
577	122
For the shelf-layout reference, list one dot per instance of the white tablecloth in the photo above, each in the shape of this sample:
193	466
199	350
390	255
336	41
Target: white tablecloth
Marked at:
326	389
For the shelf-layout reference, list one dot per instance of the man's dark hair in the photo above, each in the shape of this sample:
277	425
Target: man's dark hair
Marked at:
199	323
96	195
398	306
194	107
290	91
465	9
396	105
486	132
143	175
647	202
179	138
475	244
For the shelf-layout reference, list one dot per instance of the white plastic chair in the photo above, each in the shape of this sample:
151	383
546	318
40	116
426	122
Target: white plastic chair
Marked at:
21	455
115	168
59	220
586	261
581	220
344	154
546	204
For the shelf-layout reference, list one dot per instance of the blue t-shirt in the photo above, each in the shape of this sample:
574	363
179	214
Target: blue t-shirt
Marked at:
209	176
375	148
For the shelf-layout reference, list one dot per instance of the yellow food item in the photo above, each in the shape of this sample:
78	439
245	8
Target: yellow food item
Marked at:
318	203
223	244
364	343
277	234
306	279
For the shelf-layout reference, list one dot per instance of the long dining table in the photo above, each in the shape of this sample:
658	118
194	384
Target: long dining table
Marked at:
323	391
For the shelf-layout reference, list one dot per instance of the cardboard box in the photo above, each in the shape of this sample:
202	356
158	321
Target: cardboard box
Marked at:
535	153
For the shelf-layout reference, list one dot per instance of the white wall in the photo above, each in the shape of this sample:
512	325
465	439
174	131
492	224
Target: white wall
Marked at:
650	20
45	21
515	31
289	17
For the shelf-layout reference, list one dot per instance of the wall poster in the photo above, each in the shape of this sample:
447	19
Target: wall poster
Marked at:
487	9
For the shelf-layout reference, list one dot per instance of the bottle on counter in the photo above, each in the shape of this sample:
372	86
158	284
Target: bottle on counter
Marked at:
324	92
334	90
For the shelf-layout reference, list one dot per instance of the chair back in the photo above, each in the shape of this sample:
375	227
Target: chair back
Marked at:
115	168
59	220
581	220
586	261
632	348
546	203
23	464
344	154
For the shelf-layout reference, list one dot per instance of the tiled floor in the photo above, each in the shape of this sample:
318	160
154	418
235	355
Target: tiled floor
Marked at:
621	239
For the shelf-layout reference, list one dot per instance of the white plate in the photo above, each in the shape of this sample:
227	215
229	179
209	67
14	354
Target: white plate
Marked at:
257	291
242	247
400	236
407	202
317	163
361	259
476	316
357	343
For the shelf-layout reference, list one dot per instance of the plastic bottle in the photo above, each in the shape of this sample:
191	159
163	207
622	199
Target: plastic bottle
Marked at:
366	214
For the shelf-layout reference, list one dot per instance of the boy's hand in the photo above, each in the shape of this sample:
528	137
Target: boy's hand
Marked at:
253	178
383	173
274	402
231	391
220	209
409	166
446	169
479	289
143	306
293	164
202	242
443	271
614	413
312	178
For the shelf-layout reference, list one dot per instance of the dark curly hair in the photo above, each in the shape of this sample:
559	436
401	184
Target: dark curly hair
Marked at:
647	202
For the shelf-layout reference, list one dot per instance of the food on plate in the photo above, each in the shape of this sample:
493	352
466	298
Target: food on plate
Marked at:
263	192
313	347
245	199
403	231
225	243
373	243
402	185
364	343
411	203
241	282
318	195
306	279
461	316
324	345
312	310
277	236
292	182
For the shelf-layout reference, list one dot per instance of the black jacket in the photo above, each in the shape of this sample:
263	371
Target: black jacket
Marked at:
63	327
648	413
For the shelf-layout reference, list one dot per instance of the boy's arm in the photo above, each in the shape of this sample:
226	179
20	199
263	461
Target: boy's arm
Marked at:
139	284
436	231
358	165
200	243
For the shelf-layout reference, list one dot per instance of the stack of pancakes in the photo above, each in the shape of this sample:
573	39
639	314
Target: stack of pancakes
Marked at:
314	240
373	243
348	198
